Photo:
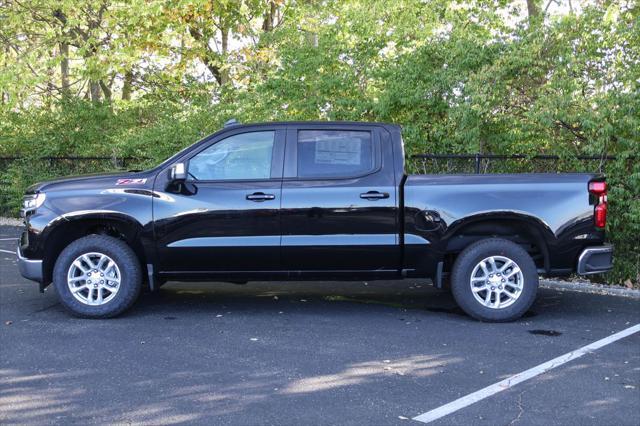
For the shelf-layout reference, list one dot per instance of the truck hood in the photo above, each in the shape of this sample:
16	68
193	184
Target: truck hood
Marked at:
96	180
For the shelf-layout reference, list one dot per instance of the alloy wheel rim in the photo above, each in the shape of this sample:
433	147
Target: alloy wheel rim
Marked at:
93	278
496	282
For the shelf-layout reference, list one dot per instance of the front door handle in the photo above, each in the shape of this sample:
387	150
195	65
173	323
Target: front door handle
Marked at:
260	196
374	195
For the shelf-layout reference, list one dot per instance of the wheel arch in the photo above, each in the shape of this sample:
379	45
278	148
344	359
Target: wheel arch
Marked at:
73	227
528	231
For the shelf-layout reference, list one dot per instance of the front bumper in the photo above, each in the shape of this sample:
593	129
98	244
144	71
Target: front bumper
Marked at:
29	268
595	260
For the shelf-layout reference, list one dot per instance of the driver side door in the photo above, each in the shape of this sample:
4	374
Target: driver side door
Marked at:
228	219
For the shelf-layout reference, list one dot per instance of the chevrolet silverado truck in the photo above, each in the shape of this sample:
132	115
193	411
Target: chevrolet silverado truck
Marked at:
310	201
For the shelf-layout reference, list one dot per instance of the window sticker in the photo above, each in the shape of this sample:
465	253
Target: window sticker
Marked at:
338	151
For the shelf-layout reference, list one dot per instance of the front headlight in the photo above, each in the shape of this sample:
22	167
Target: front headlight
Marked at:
33	201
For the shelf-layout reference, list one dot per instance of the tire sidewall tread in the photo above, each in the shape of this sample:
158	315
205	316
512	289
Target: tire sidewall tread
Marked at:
130	280
470	257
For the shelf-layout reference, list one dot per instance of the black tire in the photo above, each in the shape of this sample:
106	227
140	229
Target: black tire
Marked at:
472	256
130	279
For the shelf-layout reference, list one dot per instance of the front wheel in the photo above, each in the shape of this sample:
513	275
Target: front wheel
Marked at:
494	280
97	277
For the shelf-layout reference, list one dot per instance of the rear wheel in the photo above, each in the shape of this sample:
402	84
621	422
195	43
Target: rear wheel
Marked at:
494	280
97	277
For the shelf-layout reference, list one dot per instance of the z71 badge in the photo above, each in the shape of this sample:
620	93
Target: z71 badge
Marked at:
131	181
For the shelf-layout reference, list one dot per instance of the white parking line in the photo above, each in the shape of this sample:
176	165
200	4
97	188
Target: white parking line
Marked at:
7	239
7	251
505	384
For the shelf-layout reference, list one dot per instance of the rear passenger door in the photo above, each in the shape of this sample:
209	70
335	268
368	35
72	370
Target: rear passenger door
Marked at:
339	202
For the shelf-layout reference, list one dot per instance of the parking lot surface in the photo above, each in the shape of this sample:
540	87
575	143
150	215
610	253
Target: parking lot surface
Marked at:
309	353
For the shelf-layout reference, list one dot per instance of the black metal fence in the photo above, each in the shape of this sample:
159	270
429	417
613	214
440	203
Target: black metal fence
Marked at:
73	163
493	163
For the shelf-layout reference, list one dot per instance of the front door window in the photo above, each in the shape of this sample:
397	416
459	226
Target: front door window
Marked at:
246	156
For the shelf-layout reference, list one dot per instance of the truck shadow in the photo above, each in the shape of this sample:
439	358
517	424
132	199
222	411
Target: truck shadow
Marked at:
176	298
396	294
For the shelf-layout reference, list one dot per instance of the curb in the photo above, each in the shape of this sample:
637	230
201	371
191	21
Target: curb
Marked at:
9	221
585	287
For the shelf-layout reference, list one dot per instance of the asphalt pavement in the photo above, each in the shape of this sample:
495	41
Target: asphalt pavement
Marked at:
321	353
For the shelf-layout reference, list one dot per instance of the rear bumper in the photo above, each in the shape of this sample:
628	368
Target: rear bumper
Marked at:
29	268
595	260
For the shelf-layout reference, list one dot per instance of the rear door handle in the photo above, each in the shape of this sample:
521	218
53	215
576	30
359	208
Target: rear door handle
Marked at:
260	196
374	195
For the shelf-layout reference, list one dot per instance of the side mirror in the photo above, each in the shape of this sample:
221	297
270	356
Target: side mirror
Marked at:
178	173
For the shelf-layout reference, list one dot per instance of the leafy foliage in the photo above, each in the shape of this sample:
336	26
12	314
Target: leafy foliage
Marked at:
460	77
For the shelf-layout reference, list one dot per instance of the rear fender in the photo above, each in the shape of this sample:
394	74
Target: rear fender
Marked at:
507	224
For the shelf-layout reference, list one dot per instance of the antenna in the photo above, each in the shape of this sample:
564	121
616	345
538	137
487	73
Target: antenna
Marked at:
232	122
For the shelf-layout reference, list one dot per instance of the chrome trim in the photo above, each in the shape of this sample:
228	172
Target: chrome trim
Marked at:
587	253
242	241
29	268
340	240
412	239
290	240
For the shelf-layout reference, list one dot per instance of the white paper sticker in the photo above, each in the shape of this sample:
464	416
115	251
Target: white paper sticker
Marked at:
338	151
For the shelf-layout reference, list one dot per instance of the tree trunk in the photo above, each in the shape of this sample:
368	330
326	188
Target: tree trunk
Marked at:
533	11
269	15
199	37
94	91
127	85
106	90
64	70
224	73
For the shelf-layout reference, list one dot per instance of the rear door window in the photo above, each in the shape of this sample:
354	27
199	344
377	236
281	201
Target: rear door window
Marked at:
334	153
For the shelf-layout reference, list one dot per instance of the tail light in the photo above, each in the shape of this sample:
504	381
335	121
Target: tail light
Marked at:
599	189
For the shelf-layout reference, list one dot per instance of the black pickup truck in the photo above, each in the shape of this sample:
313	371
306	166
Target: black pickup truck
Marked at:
310	201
